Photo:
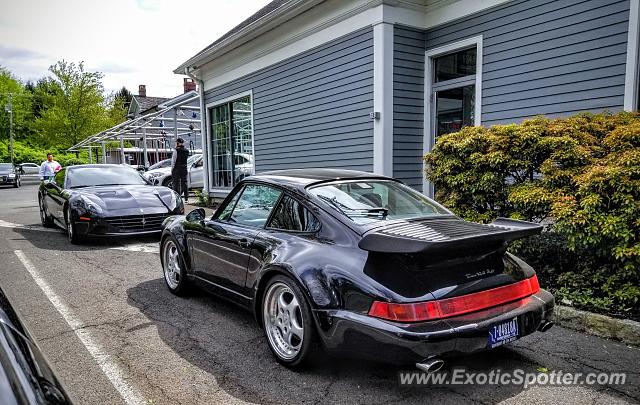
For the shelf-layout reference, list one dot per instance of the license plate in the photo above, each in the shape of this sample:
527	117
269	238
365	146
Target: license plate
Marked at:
503	332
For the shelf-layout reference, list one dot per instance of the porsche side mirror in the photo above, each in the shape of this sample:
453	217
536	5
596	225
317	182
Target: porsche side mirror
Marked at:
196	215
49	184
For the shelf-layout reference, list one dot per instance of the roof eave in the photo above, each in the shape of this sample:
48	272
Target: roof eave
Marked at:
288	10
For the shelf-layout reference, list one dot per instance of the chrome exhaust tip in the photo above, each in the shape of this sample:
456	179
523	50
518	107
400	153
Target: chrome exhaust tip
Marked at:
431	365
545	326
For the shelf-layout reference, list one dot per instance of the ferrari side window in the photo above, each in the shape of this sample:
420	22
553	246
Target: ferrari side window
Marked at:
290	215
255	205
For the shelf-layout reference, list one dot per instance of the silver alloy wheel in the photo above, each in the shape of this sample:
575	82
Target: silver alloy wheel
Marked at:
283	321
171	264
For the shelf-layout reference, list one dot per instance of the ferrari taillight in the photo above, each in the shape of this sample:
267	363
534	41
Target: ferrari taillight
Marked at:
448	307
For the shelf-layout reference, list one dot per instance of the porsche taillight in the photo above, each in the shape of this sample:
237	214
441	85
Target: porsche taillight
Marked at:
448	307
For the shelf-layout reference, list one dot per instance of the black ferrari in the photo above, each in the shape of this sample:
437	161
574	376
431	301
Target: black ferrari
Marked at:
105	200
358	264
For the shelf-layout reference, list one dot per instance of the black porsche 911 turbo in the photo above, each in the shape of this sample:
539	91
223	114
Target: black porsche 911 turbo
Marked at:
361	264
105	200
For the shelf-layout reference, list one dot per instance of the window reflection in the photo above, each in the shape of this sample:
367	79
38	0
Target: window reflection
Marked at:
454	109
232	142
455	65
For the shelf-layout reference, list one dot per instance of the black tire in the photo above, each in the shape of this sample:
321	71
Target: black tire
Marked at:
176	281
168	182
45	218
71	227
17	183
308	348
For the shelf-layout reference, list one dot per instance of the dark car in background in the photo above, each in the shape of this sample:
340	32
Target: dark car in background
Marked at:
9	175
105	200
25	376
361	263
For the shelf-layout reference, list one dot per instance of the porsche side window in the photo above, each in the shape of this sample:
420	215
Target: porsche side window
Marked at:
290	215
226	212
254	205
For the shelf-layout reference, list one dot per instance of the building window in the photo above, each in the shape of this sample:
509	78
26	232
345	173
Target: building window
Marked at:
231	142
453	91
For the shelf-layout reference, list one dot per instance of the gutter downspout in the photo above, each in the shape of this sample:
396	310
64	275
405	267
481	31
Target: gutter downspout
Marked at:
204	133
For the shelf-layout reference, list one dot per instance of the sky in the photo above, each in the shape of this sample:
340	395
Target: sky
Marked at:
131	42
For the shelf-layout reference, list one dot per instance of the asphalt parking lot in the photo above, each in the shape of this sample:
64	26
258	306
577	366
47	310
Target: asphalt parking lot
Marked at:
121	337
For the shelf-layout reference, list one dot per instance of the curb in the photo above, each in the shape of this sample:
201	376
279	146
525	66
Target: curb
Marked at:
624	330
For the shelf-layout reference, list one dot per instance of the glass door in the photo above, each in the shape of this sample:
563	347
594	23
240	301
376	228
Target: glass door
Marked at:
231	142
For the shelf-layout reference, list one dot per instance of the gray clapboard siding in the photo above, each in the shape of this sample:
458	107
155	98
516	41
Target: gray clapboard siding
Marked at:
312	110
552	57
408	105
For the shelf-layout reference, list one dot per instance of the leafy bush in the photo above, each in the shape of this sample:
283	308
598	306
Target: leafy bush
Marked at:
580	176
24	153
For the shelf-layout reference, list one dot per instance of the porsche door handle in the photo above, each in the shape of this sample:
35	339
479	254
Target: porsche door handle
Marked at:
245	243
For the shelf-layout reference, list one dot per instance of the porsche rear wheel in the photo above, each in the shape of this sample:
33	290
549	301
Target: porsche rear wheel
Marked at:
288	322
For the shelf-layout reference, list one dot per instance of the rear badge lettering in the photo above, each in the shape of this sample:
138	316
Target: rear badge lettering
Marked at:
477	274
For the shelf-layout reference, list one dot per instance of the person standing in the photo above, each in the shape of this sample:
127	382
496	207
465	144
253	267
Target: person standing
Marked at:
49	168
179	169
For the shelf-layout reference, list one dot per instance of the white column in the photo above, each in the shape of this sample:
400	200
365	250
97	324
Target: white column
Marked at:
383	99
631	75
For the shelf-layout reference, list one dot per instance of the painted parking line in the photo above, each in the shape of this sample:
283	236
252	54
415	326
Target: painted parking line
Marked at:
106	363
39	228
138	247
133	247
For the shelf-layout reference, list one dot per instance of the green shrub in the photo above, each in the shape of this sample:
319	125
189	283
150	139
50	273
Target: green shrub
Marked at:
24	153
580	176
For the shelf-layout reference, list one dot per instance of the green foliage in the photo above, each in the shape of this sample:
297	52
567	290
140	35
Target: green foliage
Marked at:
21	106
580	176
24	153
202	199
77	110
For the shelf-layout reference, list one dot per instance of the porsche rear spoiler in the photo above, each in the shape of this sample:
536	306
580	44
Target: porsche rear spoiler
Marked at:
440	235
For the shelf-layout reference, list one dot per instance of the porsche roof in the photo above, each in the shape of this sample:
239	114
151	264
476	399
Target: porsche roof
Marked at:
309	176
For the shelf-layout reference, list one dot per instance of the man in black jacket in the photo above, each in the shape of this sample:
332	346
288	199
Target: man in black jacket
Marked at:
179	169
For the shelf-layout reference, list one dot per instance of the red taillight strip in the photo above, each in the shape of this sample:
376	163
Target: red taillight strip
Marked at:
448	307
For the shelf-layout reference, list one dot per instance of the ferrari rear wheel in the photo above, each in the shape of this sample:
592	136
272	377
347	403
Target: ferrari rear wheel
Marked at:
173	267
71	227
45	218
288	322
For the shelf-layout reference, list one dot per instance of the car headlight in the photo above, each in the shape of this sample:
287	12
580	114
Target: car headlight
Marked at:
92	207
12	175
150	176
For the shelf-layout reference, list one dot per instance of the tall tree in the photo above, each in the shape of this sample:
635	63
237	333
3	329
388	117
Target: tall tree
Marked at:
12	88
78	110
119	105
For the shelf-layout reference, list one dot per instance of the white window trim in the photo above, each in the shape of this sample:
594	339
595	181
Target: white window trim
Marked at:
428	137
208	107
631	77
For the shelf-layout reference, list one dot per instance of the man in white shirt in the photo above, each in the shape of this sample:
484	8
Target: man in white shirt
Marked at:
49	168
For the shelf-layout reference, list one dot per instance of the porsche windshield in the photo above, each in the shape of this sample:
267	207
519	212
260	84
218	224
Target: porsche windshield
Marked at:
103	176
366	201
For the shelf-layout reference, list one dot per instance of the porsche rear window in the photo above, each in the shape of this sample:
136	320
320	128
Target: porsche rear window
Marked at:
367	201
